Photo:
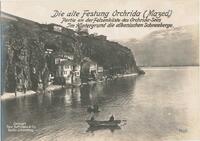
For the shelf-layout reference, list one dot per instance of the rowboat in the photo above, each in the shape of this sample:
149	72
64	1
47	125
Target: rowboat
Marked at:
96	123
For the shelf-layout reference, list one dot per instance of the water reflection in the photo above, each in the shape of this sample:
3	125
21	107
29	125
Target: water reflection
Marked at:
85	95
97	94
112	128
42	109
148	103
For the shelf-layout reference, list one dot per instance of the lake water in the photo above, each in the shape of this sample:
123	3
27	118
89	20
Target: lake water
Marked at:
161	105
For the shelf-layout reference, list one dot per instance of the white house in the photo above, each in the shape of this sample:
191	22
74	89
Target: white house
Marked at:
64	69
63	57
93	67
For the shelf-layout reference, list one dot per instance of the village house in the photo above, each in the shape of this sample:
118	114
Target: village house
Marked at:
90	70
93	67
55	27
66	68
59	57
69	71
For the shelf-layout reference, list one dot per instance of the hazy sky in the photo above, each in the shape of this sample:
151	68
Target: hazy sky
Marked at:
185	12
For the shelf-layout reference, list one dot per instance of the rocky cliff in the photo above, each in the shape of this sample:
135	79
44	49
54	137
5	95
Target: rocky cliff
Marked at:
25	44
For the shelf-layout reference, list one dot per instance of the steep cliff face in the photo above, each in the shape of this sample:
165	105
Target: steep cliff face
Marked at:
24	53
26	42
108	54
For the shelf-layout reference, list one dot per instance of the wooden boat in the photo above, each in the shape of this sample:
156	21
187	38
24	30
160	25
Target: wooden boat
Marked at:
96	123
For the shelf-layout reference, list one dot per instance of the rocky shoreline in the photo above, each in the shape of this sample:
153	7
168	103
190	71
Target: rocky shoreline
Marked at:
8	95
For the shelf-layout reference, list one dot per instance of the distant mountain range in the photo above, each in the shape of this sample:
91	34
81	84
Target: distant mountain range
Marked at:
174	47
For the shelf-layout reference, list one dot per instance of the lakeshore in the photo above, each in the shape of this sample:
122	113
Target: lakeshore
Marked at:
8	95
28	93
148	103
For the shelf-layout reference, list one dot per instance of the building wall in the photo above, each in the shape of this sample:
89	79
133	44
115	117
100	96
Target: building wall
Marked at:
77	70
93	67
66	72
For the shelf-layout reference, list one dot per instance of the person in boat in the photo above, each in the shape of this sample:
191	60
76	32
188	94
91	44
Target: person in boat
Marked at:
112	118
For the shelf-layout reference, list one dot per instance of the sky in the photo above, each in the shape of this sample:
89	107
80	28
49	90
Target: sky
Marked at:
185	12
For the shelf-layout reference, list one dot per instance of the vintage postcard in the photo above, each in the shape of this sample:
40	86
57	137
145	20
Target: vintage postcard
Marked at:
92	70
